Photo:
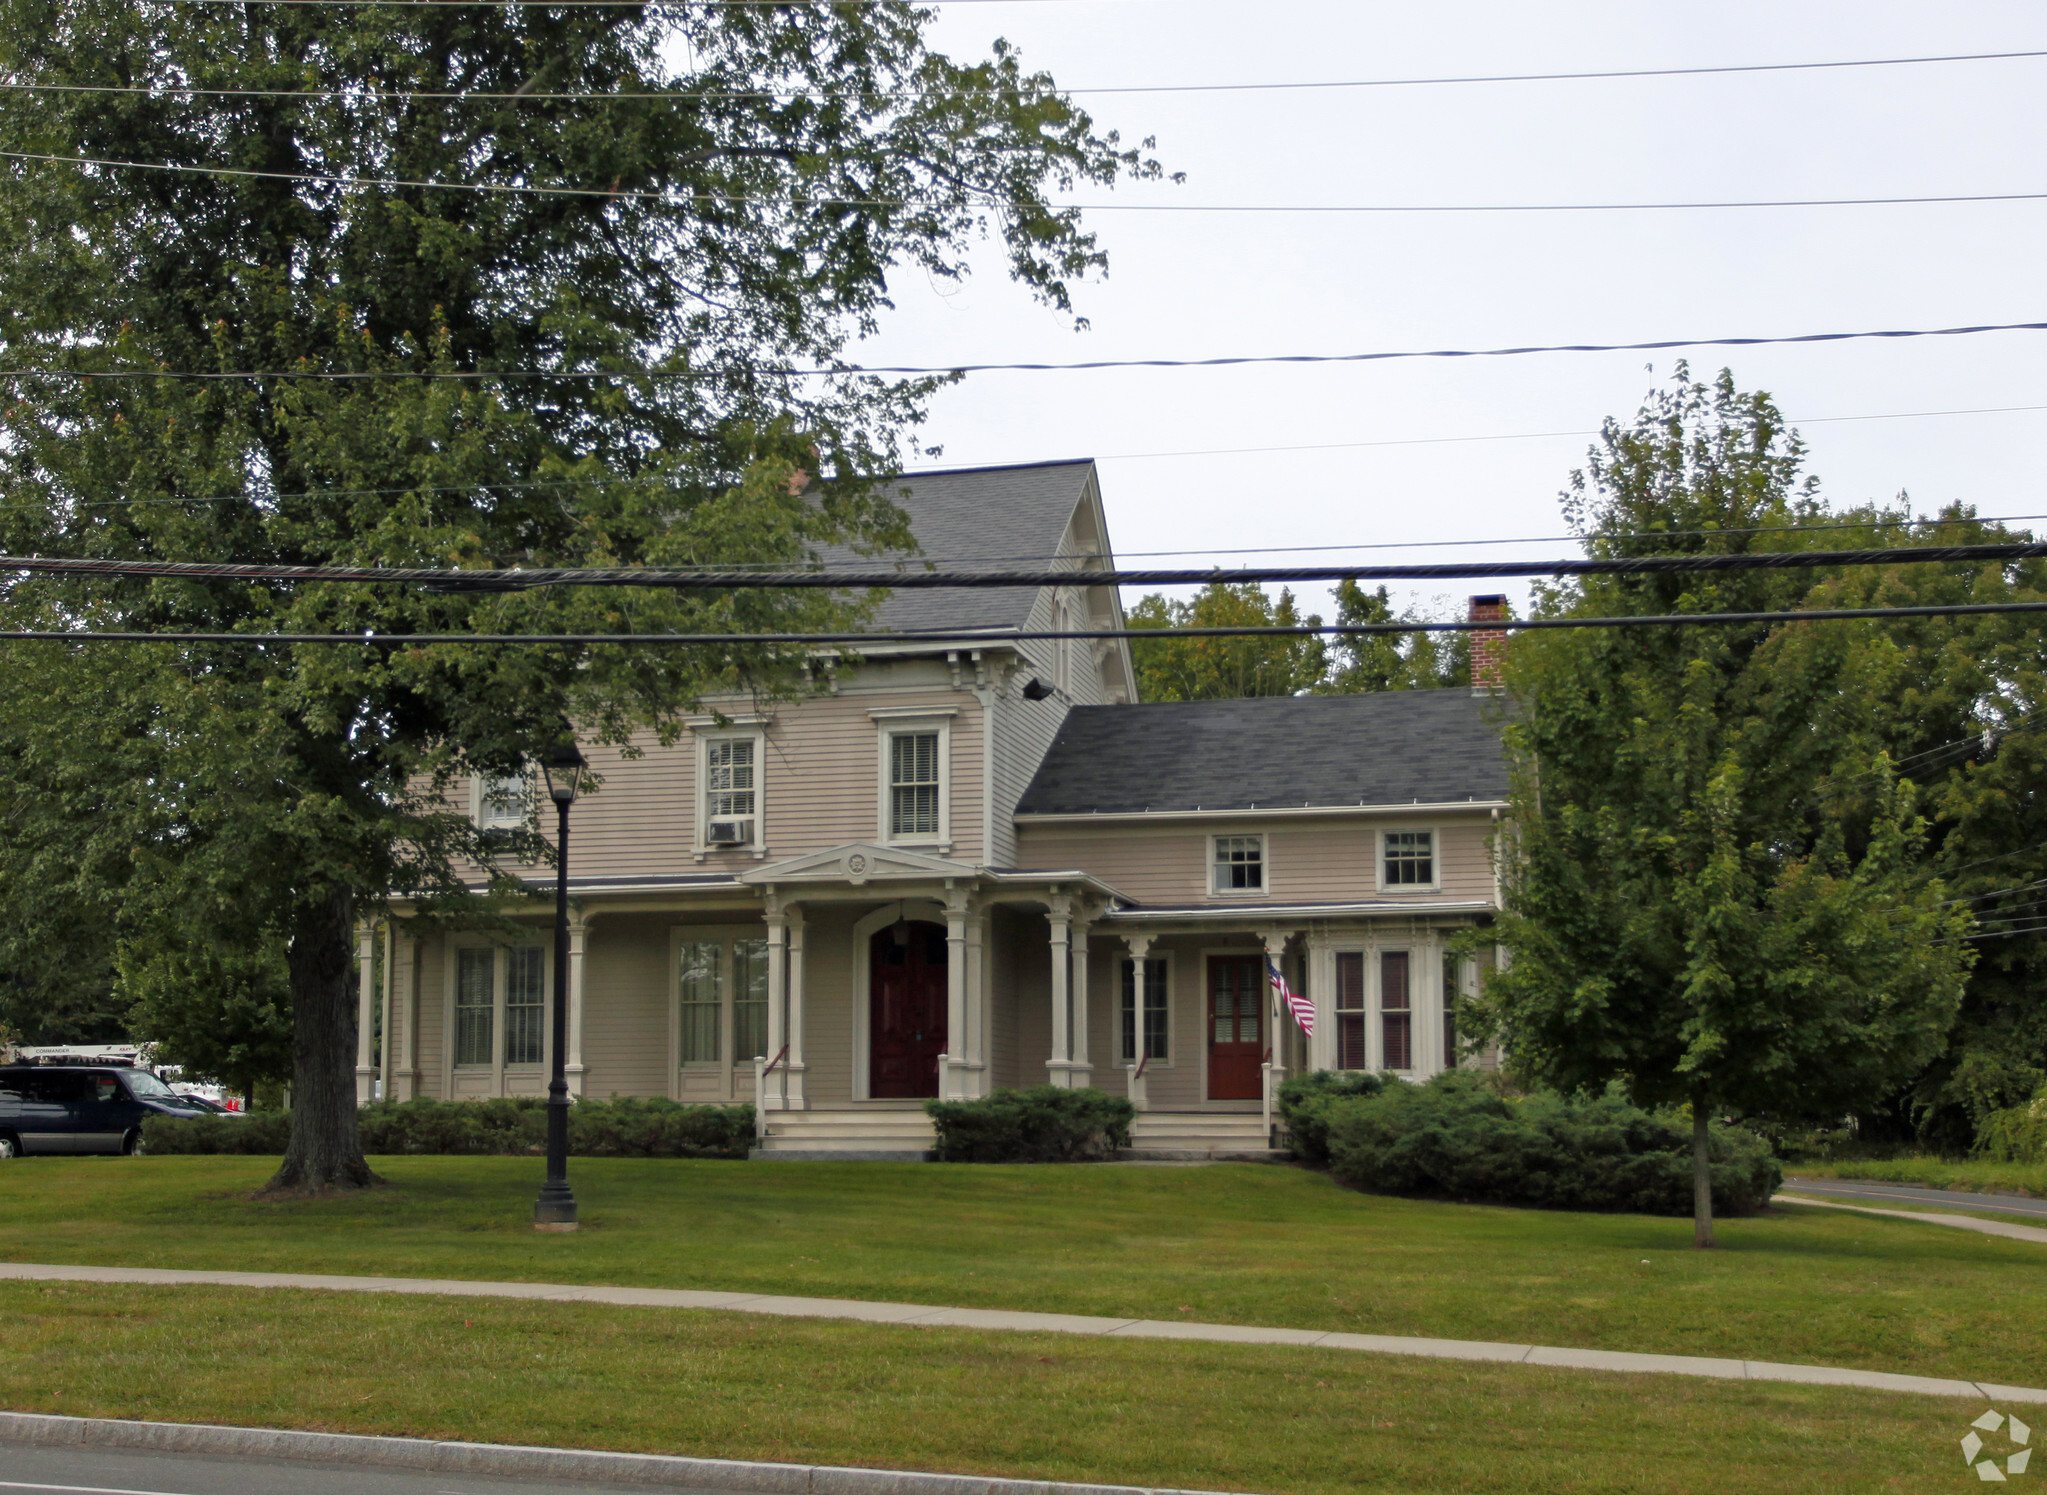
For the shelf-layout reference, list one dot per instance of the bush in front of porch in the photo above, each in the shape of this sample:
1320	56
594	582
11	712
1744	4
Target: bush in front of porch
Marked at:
1044	1124
1459	1137
629	1127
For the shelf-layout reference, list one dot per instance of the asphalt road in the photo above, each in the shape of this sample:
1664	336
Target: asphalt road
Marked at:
34	1470
1887	1193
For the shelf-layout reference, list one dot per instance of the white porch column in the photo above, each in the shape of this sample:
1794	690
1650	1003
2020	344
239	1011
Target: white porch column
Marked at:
975	1076
1081	1071
365	1013
1322	992
1278	1020
952	1064
774	1094
579	931
1059	1068
793	1098
1136	1079
405	1079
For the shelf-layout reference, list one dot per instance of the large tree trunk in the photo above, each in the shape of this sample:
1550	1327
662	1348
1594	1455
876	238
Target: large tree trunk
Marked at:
326	1144
1702	1173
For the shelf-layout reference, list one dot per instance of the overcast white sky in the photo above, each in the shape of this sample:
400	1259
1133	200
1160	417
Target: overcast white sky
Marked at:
1191	285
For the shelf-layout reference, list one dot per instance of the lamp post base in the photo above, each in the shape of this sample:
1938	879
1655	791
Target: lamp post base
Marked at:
555	1210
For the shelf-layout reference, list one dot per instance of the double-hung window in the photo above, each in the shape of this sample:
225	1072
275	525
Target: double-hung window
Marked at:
721	985
1410	859
1350	1010
913	784
1396	1013
525	1005
1451	992
502	802
1239	864
475	1005
729	789
1144	1016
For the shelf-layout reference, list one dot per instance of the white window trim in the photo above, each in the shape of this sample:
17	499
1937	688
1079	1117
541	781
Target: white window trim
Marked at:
497	1069
723	935
1172	1059
1394	890
1264	888
699	816
890	724
476	783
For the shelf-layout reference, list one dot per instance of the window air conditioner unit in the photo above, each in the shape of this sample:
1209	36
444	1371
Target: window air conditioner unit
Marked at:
730	832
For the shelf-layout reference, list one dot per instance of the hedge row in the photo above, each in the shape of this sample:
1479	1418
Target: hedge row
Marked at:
1458	1137
626	1128
1045	1124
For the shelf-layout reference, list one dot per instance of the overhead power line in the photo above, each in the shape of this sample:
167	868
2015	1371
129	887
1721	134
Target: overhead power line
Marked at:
1314	85
941	370
528	578
968	638
826	199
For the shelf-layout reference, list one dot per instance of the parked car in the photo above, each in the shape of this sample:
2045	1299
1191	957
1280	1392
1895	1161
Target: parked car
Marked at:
201	1103
80	1108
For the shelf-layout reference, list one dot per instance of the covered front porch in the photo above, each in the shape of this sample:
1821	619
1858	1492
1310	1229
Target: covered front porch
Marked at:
841	990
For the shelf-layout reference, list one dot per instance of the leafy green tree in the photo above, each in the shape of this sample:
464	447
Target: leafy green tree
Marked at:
1386	661
1209	669
1714	884
607	374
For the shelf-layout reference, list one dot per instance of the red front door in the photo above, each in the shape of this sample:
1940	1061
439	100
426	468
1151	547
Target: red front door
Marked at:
1236	1027
906	1010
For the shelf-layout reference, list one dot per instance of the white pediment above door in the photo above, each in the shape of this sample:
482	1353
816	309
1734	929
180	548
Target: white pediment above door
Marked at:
859	862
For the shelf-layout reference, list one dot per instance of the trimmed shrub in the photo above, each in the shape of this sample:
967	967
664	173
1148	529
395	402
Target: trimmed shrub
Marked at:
1456	1137
508	1126
1304	1104
2017	1134
258	1133
1044	1124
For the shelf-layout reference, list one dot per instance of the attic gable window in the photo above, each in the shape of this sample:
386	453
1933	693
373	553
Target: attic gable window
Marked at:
1239	864
1410	860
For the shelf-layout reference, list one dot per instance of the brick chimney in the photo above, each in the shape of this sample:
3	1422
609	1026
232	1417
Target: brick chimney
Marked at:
1488	646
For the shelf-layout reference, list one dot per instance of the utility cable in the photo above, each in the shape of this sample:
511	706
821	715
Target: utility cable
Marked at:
948	370
159	90
828	200
971	638
527	578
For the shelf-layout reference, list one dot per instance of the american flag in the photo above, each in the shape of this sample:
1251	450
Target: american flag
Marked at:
1302	1009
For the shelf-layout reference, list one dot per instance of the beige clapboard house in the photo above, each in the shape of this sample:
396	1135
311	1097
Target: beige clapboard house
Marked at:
980	863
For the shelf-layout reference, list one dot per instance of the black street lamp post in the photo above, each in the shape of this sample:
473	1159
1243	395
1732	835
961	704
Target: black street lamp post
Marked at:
555	1210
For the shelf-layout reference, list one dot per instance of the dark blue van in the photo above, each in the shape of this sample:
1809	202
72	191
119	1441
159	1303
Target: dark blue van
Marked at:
80	1107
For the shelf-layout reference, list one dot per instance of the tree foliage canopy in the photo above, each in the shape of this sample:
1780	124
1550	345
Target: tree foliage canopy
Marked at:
719	223
1716	884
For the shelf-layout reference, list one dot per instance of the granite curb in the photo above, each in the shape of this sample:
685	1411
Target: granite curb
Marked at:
512	1461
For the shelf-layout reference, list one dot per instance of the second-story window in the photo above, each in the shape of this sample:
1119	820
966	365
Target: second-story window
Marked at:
501	803
1239	864
1410	859
729	791
913	784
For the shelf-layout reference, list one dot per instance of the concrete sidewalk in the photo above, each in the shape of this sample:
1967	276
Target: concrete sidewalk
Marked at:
924	1315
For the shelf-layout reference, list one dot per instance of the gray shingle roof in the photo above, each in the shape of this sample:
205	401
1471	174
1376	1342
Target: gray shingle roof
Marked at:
1006	515
1273	752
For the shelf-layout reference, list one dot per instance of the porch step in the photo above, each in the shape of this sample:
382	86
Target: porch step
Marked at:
850	1136
1195	1136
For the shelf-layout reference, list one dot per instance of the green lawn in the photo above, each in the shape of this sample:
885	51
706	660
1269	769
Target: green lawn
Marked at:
1240	1244
1191	1416
1940	1173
